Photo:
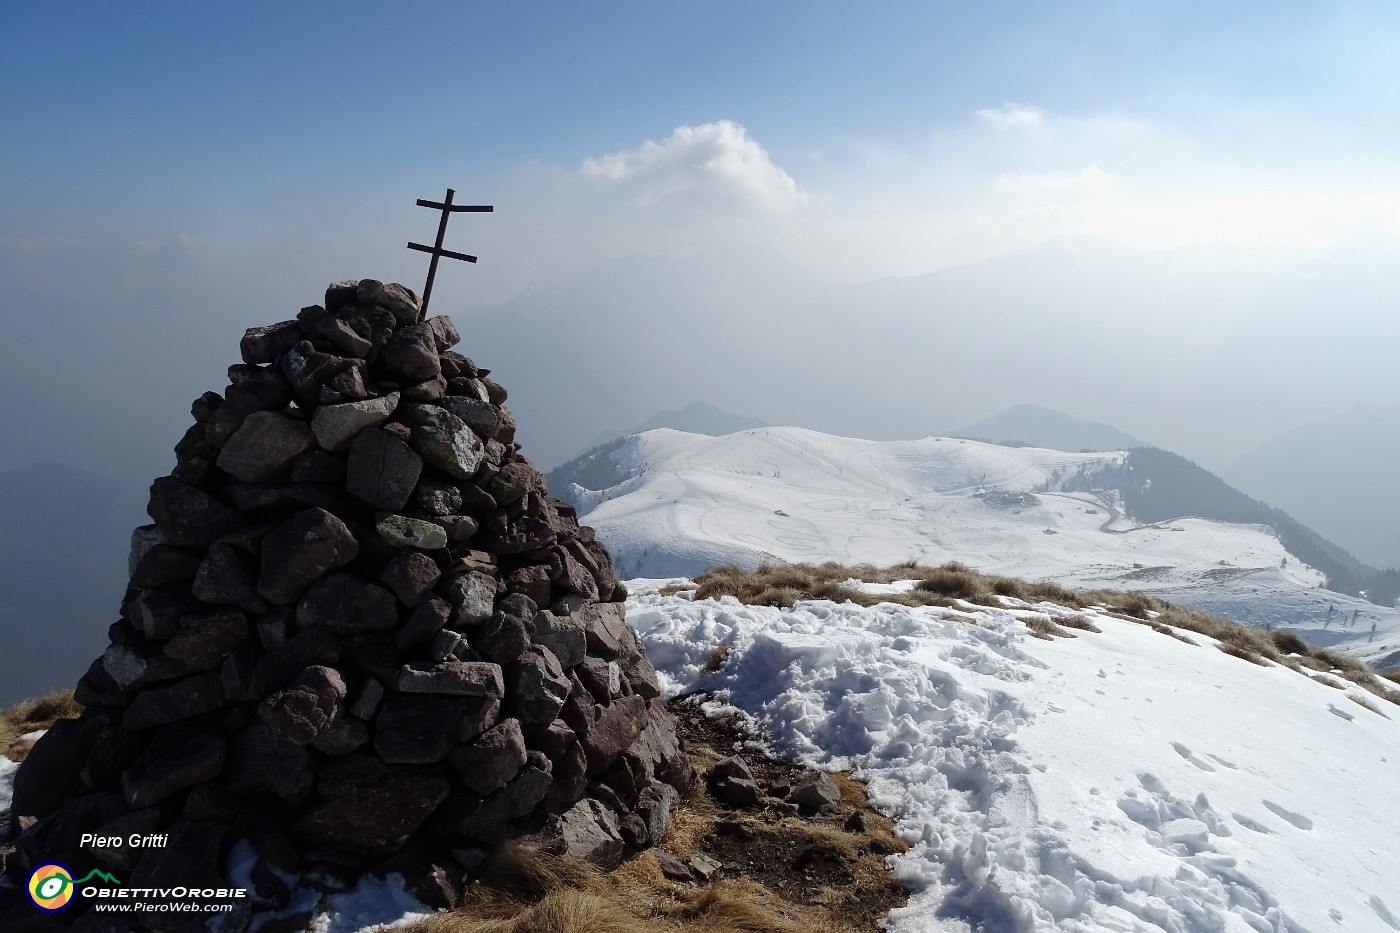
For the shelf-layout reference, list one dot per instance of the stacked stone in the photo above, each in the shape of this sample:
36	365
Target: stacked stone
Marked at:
359	635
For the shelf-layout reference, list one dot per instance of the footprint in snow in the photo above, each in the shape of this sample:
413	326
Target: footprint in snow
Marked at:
1185	752
1331	708
1378	905
1297	819
1255	825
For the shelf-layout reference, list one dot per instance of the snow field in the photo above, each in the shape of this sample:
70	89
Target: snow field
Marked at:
1114	781
694	502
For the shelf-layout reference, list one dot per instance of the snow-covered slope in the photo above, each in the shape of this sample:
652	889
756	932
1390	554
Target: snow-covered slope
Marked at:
1120	780
682	503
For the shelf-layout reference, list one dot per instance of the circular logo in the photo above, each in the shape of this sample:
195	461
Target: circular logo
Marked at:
51	887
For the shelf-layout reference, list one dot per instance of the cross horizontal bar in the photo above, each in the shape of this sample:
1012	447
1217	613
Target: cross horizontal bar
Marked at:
441	252
439	205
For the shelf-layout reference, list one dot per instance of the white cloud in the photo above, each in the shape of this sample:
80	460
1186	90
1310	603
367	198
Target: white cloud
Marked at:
1087	181
712	165
1011	116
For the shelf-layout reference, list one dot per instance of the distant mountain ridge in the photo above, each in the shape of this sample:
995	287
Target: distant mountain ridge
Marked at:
1338	475
1037	426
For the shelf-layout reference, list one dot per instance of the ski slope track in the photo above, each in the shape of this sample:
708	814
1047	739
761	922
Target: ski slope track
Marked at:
1115	781
684	503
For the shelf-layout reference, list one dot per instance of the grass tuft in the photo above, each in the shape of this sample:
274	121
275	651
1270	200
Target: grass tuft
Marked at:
32	715
785	584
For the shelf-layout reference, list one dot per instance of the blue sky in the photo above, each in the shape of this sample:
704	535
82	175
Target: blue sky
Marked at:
161	118
188	169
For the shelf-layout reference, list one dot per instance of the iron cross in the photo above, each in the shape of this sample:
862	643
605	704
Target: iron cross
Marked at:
436	250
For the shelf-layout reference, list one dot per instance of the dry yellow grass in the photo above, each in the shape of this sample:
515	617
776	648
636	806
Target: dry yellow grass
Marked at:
529	893
785	584
32	715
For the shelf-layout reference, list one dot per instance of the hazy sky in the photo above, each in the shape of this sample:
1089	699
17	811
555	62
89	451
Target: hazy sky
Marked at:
171	173
1175	217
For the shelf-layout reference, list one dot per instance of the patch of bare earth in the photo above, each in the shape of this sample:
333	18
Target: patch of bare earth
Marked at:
772	867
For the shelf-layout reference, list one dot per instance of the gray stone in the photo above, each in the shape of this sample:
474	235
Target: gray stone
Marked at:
306	708
264	447
411	354
401	531
429	390
458	527
189	517
206	638
472	597
308	369
416	728
445	645
493	760
565	637
443	440
482	417
502	637
368	701
411	575
393	297
590	833
532	580
335	426
348	385
614	731
673	868
658	753
427	619
445	334
129	668
190	760
461	678
184	699
344	337
381	470
158	612
570	767
346	735
225	578
482	713
146	537
265	764
731	782
655	805
437	498
348	605
488	821
314	645
300	551
266	344
538	685
605	626
815	792
369	807
163	565
602	678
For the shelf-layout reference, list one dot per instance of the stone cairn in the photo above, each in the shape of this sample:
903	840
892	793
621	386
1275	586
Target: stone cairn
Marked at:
359	637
